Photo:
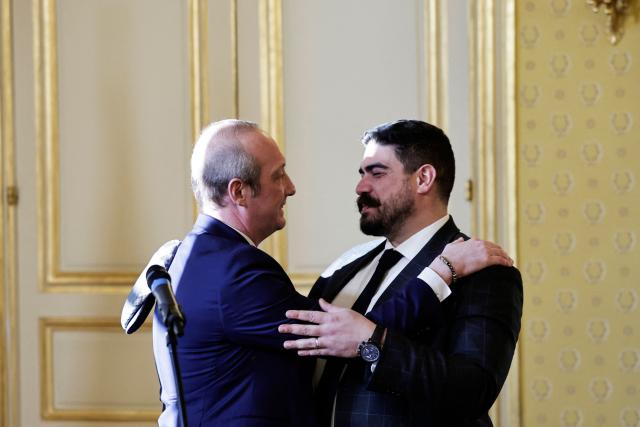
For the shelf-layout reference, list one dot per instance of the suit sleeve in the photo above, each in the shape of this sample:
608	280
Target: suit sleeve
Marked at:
256	300
465	375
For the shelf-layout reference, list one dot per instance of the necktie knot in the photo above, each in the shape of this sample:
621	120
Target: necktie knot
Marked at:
388	259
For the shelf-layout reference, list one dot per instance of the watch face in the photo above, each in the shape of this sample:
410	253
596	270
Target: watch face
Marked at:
370	352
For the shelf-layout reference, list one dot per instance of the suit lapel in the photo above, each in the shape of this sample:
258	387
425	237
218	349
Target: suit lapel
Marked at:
341	277
433	248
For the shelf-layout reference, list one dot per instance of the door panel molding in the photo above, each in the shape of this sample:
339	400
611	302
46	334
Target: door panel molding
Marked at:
49	411
52	278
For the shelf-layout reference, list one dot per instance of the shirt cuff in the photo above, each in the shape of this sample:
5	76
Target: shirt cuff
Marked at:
436	283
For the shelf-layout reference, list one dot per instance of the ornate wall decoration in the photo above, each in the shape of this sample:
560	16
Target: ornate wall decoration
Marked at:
531	154
563	182
591	153
590	92
561	123
624	241
589	34
598	330
569	359
630	417
593	211
529	36
560	64
571	417
627	300
621	122
541	388
534	212
600	389
594	271
623	181
566	299
538	329
620	62
530	95
629	360
535	271
565	242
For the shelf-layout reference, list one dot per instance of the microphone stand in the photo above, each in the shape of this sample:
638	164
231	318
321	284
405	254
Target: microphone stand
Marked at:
174	329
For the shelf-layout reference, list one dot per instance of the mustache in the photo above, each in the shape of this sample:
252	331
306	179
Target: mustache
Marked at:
366	200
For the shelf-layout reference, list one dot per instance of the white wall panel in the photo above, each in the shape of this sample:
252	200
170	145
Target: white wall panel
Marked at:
124	130
105	371
348	66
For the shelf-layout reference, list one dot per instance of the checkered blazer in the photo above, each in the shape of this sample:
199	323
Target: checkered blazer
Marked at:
443	364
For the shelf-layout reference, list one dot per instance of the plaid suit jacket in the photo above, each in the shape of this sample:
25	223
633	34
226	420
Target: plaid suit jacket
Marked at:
443	364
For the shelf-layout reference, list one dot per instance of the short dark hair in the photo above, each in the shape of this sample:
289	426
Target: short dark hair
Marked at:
417	143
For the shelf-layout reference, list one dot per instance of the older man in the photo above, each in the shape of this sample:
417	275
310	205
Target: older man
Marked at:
422	362
234	295
235	369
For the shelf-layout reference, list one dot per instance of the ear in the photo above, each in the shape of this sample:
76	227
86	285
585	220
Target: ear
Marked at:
236	191
426	178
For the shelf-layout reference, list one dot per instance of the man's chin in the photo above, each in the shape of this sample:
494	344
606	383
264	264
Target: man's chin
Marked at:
371	228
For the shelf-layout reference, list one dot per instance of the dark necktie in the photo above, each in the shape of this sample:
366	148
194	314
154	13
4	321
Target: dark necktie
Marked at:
388	259
328	384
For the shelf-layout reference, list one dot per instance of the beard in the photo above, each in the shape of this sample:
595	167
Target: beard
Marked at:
389	216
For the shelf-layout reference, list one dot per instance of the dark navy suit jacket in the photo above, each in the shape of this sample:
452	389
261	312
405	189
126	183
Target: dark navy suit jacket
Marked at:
442	364
234	367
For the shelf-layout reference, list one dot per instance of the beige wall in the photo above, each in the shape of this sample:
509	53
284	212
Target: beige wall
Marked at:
578	151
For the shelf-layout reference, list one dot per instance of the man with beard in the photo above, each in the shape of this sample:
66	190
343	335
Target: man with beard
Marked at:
423	355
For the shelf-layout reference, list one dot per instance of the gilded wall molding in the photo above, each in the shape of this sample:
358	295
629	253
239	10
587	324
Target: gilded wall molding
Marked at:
48	326
272	116
198	83
435	45
493	86
9	358
51	277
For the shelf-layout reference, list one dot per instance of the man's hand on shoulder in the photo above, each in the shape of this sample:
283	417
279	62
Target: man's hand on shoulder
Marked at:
464	257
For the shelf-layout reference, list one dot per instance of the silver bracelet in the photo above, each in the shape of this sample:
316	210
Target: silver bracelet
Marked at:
446	262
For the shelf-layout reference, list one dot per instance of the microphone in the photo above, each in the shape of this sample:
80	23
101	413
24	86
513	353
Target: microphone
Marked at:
159	281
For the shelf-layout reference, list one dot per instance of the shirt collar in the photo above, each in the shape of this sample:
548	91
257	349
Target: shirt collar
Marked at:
215	215
410	247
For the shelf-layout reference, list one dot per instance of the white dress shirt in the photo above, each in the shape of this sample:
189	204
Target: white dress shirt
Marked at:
409	249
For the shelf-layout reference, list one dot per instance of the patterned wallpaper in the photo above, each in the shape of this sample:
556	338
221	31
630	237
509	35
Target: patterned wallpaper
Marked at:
579	206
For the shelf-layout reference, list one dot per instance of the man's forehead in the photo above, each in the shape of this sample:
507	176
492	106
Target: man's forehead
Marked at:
376	153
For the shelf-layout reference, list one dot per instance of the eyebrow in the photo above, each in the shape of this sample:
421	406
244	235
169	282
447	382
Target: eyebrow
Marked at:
372	166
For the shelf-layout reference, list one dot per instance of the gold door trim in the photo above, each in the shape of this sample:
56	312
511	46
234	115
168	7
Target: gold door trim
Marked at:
493	114
9	357
49	325
435	48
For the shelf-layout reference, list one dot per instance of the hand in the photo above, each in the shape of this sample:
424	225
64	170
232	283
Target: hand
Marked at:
337	331
469	256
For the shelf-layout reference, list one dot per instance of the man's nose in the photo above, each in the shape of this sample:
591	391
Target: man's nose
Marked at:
291	188
362	186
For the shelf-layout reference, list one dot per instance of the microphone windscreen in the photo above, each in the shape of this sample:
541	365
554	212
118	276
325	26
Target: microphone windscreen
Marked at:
156	272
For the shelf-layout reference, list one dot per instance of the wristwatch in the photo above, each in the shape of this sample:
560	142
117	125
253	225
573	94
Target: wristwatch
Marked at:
369	350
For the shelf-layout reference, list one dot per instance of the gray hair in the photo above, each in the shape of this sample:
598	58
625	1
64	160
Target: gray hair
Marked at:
219	157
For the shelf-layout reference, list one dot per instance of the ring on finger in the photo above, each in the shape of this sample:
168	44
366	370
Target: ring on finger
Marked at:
316	342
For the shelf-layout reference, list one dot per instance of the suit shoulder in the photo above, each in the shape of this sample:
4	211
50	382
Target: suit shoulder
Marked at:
350	256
